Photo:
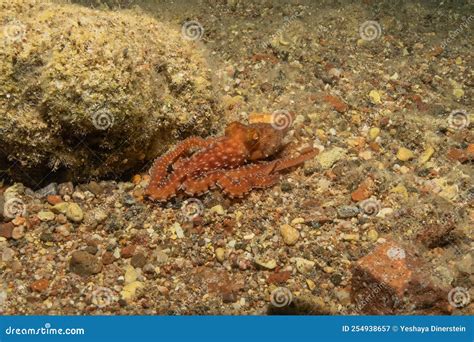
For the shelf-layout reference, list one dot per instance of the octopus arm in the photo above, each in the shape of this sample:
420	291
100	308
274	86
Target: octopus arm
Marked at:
161	186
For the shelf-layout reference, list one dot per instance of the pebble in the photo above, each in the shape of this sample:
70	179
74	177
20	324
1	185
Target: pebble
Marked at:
289	234
128	251
372	235
298	220
374	133
268	264
63	230
347	211
100	215
74	213
343	296
329	157
405	154
46	215
18	232
375	96
220	254
385	212
285	186
350	237
131	275
6	230
304	266
60	208
84	264
328	269
178	230
108	258
129	291
336	279
7	254
50	189
138	260
218	209
426	155
40	285
161	257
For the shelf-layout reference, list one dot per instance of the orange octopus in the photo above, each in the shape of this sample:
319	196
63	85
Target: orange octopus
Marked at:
236	162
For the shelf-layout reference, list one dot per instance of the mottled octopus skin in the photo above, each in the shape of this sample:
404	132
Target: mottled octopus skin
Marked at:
233	162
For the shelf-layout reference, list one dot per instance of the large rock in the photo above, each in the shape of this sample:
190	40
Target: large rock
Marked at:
392	280
90	93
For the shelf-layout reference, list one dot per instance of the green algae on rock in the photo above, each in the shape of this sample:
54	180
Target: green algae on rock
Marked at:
92	93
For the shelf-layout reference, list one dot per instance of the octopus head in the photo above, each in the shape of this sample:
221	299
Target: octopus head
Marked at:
260	139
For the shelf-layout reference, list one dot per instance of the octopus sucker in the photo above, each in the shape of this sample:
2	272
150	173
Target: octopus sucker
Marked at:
236	163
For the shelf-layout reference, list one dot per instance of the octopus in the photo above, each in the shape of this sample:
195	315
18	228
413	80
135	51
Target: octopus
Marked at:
244	158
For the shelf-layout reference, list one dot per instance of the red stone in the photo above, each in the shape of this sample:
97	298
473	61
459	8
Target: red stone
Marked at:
278	277
457	154
128	251
6	230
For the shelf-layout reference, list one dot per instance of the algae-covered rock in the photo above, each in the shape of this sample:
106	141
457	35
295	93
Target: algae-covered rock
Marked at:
89	93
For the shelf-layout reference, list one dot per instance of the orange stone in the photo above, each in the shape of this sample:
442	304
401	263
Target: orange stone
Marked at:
470	150
39	285
136	179
457	154
19	220
336	103
389	277
54	199
364	191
